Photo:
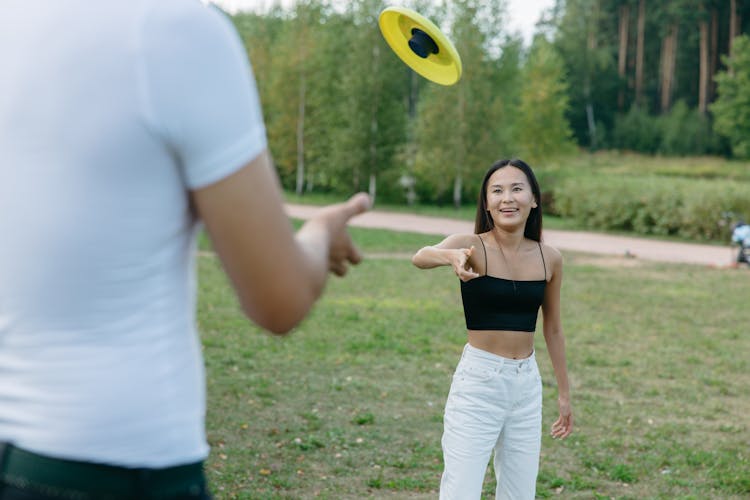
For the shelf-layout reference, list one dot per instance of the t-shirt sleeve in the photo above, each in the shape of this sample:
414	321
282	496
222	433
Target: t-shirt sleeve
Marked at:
199	92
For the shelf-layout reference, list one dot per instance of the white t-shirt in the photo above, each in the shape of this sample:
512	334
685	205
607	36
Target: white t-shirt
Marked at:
741	234
110	112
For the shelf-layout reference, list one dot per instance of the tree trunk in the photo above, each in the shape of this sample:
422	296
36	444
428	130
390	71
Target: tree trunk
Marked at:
374	129
458	180
301	136
411	159
591	46
704	69
591	39
373	187
592	124
622	57
373	157
732	24
714	57
457	187
640	38
673	61
413	94
669	51
663	84
310	181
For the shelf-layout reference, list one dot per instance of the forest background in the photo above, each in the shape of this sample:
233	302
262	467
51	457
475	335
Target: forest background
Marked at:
601	103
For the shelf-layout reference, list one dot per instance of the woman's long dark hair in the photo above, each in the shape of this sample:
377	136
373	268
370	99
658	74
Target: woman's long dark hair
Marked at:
484	223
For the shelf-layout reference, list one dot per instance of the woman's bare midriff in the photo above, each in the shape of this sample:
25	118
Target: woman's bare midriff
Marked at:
508	344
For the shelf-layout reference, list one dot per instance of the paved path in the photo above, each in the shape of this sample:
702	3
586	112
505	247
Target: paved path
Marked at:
579	241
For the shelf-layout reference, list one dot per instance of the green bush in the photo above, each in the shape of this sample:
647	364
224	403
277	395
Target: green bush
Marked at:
653	205
636	131
685	132
680	132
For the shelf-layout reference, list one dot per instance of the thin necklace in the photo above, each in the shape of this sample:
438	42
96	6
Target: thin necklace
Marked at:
510	269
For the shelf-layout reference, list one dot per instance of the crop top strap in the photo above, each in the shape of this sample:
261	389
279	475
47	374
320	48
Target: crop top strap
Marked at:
544	264
484	249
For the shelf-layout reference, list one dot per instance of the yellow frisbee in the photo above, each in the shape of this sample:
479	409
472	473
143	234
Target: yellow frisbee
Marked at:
421	45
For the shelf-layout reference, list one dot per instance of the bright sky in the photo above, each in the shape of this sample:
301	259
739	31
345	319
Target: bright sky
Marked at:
523	13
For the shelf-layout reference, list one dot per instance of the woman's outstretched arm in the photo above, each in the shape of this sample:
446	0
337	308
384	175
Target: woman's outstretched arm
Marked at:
452	251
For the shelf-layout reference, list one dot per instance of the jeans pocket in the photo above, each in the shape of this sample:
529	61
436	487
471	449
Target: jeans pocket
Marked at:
473	373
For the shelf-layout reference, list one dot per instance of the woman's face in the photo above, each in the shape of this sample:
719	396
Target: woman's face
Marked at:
509	197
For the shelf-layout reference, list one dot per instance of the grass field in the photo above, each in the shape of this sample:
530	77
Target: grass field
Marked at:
350	405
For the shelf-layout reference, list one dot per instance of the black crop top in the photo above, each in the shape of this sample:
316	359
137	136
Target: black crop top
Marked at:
492	303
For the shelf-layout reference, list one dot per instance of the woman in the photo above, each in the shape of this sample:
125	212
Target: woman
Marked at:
495	400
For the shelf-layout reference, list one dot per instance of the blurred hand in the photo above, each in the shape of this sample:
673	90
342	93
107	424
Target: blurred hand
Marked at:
342	250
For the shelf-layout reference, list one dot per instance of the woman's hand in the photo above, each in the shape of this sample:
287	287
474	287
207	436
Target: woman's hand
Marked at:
461	264
563	426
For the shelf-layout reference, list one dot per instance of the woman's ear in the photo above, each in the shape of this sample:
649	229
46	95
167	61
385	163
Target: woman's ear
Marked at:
533	203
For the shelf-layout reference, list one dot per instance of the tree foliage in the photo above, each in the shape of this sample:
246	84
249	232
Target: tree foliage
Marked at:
543	131
343	109
343	113
612	83
732	108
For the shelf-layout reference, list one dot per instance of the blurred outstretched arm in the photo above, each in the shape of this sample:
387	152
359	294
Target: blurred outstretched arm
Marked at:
278	275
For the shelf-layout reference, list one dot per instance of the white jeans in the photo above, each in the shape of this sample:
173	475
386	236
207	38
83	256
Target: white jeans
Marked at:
494	403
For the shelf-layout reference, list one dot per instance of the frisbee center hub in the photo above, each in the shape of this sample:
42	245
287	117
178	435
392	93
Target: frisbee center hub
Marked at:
422	44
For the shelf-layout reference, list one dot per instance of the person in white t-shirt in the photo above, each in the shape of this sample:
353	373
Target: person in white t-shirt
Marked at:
741	237
123	124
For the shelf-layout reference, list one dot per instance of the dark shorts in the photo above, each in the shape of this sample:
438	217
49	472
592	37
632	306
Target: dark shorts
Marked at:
30	476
